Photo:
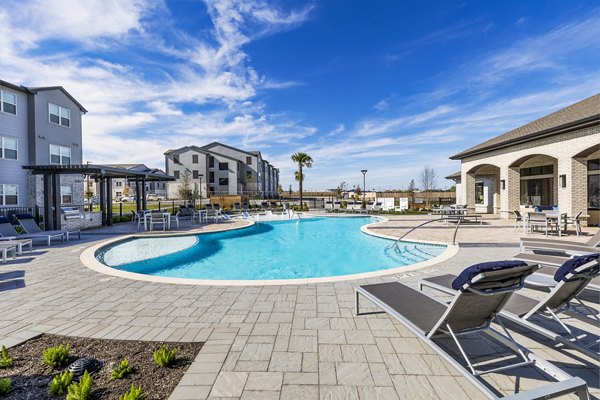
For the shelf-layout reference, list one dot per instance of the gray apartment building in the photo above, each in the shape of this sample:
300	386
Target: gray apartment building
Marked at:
123	187
219	169
38	126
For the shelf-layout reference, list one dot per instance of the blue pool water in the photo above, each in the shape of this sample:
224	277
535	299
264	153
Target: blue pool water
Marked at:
310	248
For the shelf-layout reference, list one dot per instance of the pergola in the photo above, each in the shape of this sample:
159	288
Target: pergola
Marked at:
100	173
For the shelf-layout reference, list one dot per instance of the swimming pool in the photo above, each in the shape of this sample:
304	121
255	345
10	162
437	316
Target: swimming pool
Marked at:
310	248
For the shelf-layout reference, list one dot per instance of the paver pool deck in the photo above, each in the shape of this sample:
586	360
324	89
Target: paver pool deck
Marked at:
271	342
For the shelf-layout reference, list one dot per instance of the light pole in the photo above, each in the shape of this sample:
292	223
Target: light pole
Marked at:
200	189
364	172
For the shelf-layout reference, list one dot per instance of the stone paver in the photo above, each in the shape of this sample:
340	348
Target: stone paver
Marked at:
271	342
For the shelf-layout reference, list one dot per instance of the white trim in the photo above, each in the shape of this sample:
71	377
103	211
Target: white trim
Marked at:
60	155
3	195
89	260
2	148
60	110
2	102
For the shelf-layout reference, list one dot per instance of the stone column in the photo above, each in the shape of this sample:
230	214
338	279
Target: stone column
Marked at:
577	187
468	183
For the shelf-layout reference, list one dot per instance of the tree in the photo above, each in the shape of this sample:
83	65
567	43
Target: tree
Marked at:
411	188
304	161
279	189
357	192
427	178
184	190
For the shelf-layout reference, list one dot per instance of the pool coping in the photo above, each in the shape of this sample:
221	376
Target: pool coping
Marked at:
88	259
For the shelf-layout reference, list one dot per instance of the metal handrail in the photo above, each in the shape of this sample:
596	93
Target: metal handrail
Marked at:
423	224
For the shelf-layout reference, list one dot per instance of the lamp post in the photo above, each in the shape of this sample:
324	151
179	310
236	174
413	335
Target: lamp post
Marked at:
364	172
200	189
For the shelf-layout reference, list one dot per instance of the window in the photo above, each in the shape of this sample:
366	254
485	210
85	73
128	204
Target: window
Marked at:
211	177
176	159
9	195
118	183
60	155
537	186
118	194
8	102
479	193
194	158
195	174
211	162
594	184
59	115
8	148
223	166
249	175
66	194
176	174
224	181
249	160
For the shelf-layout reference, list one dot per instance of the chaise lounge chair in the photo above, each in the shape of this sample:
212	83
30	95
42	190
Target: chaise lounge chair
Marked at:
482	292
8	231
572	277
5	248
30	226
594	241
20	243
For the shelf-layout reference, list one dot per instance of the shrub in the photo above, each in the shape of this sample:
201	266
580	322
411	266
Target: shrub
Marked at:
81	390
121	371
135	393
56	357
5	360
60	383
164	356
4	386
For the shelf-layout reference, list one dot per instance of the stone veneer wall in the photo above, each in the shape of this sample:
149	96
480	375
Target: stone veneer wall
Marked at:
35	189
89	220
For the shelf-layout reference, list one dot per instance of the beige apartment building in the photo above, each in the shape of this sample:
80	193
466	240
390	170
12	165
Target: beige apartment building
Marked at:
552	161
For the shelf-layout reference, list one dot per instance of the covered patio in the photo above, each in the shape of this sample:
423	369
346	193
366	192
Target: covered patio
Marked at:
99	173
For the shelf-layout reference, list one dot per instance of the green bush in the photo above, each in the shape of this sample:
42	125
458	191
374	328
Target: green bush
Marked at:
5	360
164	356
121	371
60	383
135	393
4	386
81	390
56	357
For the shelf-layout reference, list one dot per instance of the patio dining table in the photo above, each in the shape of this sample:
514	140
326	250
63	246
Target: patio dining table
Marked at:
559	219
166	215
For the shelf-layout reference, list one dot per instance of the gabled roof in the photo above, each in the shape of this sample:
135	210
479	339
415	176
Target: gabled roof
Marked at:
455	175
213	144
35	90
13	86
199	150
576	116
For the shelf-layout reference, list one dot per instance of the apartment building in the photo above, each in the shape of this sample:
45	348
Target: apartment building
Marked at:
219	169
124	187
38	126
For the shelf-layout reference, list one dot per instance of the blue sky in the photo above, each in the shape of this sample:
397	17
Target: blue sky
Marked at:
388	86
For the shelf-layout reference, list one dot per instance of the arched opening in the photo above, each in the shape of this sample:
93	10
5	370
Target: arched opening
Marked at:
538	180
483	189
585	173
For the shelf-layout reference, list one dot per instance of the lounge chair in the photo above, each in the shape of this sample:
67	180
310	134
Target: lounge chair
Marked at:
31	227
20	243
558	248
594	241
8	231
5	248
483	290
572	278
244	215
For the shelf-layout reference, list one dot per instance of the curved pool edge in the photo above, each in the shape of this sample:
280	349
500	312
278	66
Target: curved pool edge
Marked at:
88	259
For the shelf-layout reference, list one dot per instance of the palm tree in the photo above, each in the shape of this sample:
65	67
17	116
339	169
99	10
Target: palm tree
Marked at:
303	160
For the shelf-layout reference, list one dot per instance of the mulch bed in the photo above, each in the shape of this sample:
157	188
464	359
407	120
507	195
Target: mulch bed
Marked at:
30	376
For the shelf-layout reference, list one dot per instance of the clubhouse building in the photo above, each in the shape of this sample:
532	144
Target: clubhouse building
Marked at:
552	161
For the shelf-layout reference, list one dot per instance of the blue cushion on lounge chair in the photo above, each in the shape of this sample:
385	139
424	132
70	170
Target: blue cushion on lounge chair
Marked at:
572	264
468	274
24	216
4	220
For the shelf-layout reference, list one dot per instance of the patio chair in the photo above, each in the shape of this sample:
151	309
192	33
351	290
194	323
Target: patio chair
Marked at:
157	218
482	291
245	207
574	221
518	219
20	243
5	248
536	220
572	278
570	249
8	231
31	227
594	241
237	208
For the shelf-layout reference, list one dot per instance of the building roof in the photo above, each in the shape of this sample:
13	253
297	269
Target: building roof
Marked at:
199	150
576	116
34	90
454	175
213	144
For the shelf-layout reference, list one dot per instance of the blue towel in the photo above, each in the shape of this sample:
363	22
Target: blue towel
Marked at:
24	216
468	274
572	264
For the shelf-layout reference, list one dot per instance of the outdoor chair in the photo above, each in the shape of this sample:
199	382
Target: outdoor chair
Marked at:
574	221
518	219
480	293
537	220
20	243
237	208
572	278
157	218
31	227
8	231
5	248
594	241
